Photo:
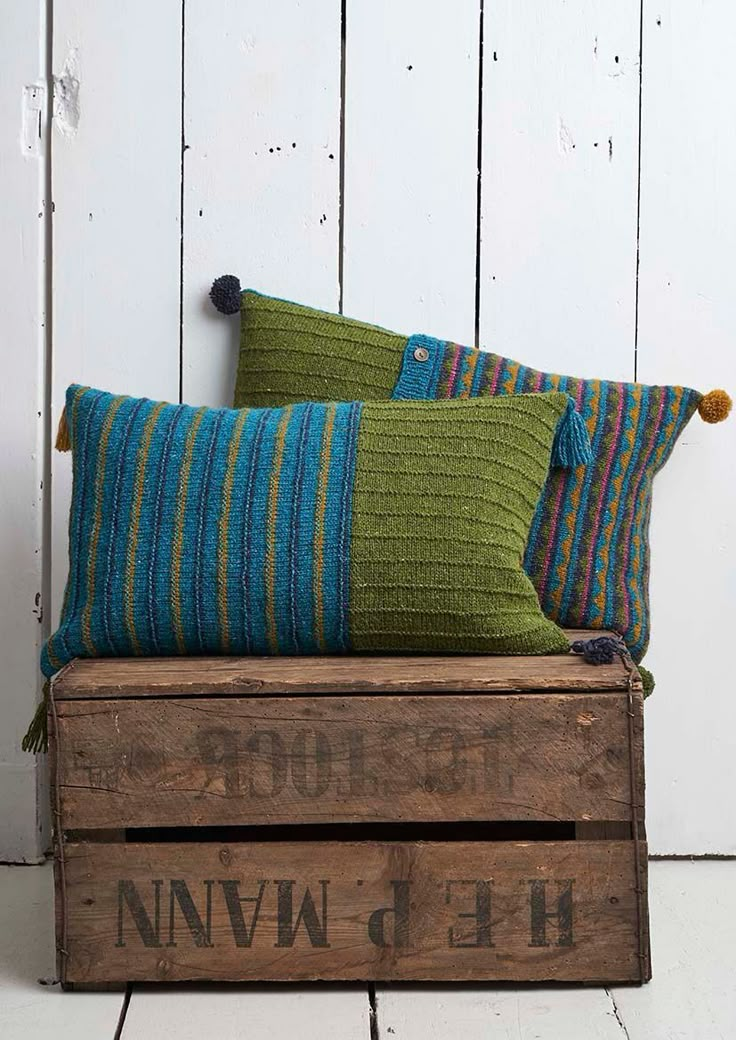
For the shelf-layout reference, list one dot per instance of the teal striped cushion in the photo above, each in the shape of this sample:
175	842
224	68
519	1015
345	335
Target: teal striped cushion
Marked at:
305	529
171	502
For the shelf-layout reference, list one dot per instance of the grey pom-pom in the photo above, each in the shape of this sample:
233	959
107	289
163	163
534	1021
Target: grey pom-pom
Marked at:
225	294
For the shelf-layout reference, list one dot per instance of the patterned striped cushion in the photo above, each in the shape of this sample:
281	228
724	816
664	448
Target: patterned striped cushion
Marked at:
588	551
305	529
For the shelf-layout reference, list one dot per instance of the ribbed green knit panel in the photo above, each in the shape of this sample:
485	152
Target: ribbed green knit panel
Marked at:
438	531
295	353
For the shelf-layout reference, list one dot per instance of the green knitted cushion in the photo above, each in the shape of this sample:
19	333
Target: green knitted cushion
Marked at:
386	526
588	550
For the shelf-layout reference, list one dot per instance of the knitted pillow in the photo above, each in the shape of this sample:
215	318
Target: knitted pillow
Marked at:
588	551
391	526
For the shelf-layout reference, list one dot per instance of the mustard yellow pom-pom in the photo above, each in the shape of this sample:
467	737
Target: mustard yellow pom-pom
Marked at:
715	406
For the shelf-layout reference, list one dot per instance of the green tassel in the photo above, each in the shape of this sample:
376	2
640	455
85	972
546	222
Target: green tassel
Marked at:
647	680
37	735
571	446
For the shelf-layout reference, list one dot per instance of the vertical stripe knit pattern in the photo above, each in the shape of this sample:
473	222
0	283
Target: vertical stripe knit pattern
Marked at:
588	548
313	528
206	530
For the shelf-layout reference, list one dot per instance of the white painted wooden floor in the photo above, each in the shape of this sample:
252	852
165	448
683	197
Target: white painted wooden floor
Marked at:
692	997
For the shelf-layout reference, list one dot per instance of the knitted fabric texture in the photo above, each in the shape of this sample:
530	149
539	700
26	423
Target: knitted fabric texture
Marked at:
588	550
306	529
292	353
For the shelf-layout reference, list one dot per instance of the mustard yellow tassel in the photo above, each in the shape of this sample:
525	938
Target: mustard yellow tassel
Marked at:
715	406
63	439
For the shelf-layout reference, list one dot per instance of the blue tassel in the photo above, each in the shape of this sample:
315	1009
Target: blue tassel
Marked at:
601	650
571	446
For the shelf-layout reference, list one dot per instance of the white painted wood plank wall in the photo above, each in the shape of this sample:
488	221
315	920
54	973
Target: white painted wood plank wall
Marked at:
559	179
332	156
23	142
116	162
687	334
411	140
261	169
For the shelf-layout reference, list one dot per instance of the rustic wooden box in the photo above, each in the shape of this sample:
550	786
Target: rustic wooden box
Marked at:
363	818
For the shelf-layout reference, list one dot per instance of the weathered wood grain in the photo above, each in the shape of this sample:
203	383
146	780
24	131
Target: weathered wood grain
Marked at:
145	757
552	911
262	676
600	830
216	761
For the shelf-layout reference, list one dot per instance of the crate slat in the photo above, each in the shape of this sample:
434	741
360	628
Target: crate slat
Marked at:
218	761
552	911
264	676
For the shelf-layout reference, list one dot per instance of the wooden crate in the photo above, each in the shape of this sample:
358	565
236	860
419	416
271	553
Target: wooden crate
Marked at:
467	818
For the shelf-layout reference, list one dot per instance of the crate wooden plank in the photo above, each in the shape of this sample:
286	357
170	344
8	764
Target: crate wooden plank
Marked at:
552	911
261	676
216	761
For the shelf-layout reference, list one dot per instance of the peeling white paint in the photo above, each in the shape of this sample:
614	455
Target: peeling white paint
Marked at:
564	137
34	105
66	96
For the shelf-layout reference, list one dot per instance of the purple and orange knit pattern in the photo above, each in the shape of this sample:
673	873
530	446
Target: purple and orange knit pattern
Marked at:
588	549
